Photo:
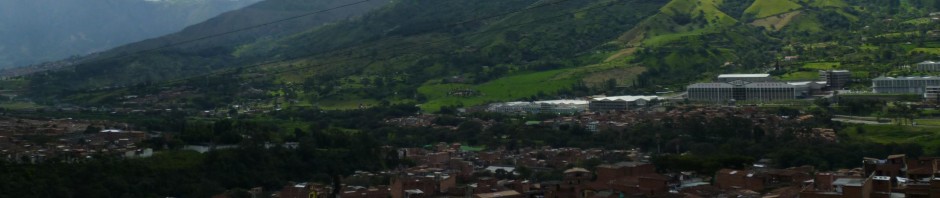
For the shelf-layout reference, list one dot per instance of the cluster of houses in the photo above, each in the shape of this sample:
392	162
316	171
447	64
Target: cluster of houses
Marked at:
444	170
66	140
895	176
618	121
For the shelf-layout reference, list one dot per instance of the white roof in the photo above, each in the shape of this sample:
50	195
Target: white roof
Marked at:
906	78
928	62
743	75
111	131
710	85
769	84
807	83
626	98
556	102
511	104
505	168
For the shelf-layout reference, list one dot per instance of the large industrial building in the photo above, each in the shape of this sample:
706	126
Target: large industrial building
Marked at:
548	106
596	104
903	85
743	91
927	66
762	88
619	103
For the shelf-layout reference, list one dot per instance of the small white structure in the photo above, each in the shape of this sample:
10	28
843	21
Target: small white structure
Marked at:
928	66
619	103
536	107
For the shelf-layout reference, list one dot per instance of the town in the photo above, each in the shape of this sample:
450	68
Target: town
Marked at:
470	99
446	170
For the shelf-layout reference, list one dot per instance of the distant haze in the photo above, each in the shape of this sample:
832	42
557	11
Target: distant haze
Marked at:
35	31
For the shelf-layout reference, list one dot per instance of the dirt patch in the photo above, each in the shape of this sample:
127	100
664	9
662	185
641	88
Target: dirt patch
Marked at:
776	22
621	54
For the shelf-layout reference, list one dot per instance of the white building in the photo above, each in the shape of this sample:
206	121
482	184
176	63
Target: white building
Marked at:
745	77
548	106
619	103
904	85
928	66
750	91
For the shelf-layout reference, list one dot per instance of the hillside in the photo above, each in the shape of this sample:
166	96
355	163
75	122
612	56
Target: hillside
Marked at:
47	30
443	54
197	49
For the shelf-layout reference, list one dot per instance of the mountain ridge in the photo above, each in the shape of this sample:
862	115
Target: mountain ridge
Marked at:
43	30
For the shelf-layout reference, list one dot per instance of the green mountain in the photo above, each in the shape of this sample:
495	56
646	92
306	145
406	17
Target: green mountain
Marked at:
444	53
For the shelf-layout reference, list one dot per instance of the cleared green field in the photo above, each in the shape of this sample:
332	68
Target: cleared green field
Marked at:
929	137
668	38
861	74
797	76
19	105
776	22
660	28
918	21
806	23
928	122
472	148
708	8
766	8
926	50
13	84
503	89
826	3
899	34
822	65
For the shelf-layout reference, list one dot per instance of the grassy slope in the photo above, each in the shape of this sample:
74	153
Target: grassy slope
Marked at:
776	22
927	136
926	50
507	88
766	8
826	3
519	86
822	65
780	14
806	23
662	28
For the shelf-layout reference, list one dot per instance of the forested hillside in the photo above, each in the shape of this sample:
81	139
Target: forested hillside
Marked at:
462	53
